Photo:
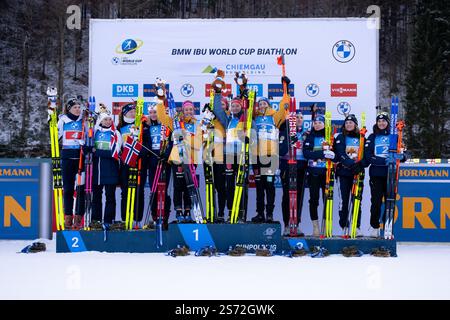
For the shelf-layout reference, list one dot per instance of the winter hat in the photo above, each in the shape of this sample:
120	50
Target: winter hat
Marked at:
384	116
128	107
102	116
238	101
264	99
188	103
72	102
320	118
351	117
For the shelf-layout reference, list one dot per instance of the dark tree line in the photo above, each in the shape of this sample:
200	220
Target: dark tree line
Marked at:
37	49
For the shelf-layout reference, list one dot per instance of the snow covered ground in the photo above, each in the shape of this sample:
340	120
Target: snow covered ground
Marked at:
420	271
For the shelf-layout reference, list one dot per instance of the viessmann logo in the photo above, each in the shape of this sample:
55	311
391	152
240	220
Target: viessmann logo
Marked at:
344	89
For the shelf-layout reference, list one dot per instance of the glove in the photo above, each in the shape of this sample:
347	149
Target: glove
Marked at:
390	160
357	167
328	154
88	149
294	141
285	79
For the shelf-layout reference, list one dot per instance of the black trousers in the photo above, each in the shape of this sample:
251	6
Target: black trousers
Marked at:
301	182
110	204
345	186
230	174
166	170
69	172
123	178
181	197
316	182
378	189
265	191
220	186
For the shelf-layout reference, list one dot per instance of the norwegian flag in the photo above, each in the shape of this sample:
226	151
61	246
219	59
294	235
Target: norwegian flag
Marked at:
131	151
113	144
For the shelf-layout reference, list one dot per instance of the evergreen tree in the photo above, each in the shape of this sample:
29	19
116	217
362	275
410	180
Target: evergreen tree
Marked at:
427	84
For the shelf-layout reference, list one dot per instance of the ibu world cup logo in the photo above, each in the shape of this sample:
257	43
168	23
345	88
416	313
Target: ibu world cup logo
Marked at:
129	46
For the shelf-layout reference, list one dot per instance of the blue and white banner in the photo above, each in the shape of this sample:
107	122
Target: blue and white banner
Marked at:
423	203
25	211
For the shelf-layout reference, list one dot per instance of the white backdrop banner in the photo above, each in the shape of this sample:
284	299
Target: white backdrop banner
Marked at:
333	62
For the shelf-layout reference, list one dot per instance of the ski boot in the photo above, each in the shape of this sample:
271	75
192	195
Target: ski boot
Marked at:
119	225
263	253
269	218
236	251
351	251
220	219
179	251
287	231
68	222
299	232
179	216
316	229
259	218
187	216
77	222
96	225
374	233
381	252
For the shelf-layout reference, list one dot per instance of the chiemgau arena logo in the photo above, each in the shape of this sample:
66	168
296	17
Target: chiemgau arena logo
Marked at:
343	51
127	47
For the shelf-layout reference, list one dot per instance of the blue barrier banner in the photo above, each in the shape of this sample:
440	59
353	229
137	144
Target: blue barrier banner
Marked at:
423	203
196	236
19	200
74	241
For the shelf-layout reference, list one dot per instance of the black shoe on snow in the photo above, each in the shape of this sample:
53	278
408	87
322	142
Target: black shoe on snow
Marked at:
236	251
34	247
258	219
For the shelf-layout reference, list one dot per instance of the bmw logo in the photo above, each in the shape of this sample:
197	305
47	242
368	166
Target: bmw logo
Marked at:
343	51
343	108
115	61
187	90
312	89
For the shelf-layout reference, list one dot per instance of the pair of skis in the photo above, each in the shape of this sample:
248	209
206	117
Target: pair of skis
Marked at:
188	166
288	102
208	165
242	175
158	188
56	159
88	162
329	181
134	173
395	146
358	185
